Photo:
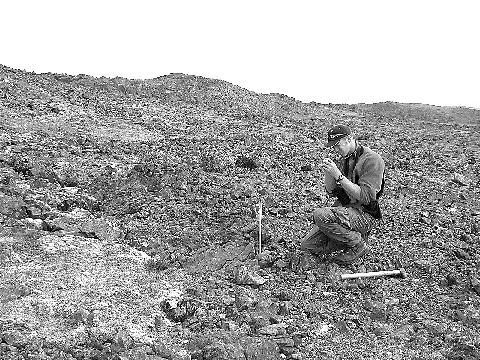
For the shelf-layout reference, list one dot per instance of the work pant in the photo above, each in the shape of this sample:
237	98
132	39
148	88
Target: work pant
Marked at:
338	227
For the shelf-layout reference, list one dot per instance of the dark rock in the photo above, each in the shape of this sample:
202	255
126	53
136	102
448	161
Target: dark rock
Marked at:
246	162
285	341
66	204
211	163
466	239
380	330
258	321
377	310
452	279
288	350
342	326
179	311
461	254
35	212
307	167
285	308
475	228
229	325
284	295
463	351
21	165
79	317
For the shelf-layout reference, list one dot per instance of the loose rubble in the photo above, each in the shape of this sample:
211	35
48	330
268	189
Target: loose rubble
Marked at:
128	225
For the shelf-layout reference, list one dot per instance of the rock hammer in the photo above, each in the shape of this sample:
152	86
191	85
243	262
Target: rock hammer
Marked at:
400	272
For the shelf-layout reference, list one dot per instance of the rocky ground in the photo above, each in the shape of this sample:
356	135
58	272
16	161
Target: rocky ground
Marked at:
128	225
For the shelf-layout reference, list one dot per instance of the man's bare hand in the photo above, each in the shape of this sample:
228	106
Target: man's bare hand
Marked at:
329	166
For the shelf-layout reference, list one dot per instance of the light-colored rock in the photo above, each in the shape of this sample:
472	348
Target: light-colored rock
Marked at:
245	276
459	179
273	329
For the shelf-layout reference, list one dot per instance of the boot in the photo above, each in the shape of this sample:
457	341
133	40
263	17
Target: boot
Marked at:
352	253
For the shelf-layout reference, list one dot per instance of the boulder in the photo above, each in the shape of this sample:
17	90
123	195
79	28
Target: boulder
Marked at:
245	276
81	222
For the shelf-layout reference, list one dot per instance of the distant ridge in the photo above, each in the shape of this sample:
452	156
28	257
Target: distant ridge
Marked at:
227	98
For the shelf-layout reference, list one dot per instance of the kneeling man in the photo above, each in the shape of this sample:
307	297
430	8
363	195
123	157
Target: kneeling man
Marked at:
357	187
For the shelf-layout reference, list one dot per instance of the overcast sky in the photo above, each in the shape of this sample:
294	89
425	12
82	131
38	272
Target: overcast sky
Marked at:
324	51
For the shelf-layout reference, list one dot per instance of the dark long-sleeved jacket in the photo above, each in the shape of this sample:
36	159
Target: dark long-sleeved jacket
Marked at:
368	173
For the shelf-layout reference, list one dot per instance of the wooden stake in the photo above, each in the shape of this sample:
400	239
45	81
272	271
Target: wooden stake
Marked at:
260	227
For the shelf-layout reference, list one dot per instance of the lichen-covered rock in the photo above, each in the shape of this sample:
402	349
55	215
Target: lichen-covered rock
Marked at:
245	276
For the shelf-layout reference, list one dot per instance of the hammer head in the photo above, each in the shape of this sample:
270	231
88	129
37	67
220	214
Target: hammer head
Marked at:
403	273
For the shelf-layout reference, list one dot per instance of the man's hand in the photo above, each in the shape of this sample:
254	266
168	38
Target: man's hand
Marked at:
329	166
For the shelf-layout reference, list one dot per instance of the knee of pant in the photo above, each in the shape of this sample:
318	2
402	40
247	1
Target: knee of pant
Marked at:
321	215
308	245
304	245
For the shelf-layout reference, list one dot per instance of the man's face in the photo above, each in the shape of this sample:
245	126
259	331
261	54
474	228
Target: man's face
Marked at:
342	147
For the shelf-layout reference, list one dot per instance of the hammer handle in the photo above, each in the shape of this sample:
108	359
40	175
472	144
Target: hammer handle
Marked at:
370	274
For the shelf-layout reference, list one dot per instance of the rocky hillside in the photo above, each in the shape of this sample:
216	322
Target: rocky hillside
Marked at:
129	231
